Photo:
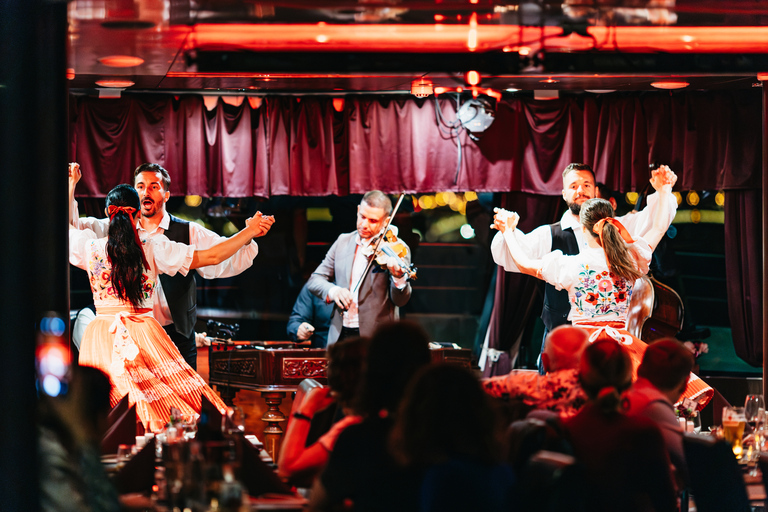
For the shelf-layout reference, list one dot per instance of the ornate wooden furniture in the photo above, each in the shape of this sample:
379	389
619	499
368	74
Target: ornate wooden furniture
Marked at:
277	368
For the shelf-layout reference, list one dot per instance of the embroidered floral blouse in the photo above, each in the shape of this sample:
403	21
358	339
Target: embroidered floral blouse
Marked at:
88	252
594	292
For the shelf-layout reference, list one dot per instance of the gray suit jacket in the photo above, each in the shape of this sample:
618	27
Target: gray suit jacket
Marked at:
378	297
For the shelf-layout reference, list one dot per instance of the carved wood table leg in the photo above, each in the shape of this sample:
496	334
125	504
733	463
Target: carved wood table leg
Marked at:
227	393
273	433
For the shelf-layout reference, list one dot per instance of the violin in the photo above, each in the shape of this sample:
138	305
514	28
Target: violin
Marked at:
390	247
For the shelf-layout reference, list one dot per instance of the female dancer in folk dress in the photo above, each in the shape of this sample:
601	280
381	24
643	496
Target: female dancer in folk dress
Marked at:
600	279
124	339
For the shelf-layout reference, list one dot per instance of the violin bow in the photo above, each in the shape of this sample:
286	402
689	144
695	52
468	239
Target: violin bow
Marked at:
383	232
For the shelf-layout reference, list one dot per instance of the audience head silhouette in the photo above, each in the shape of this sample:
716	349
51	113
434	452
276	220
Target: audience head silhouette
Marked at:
563	348
345	362
445	413
397	350
605	371
667	364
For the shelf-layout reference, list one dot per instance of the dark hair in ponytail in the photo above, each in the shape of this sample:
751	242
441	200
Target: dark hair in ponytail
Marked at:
620	259
605	371
124	253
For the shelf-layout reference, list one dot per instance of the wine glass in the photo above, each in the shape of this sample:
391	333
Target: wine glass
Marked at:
754	410
693	424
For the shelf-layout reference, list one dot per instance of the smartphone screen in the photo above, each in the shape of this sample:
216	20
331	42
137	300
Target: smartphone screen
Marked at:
53	357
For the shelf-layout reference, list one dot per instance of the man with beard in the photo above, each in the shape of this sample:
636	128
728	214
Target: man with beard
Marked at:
175	301
359	309
566	235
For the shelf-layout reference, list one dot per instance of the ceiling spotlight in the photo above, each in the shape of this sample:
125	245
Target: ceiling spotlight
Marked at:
476	115
669	84
472	77
421	88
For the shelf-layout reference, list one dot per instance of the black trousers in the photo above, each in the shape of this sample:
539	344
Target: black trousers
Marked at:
347	332
185	345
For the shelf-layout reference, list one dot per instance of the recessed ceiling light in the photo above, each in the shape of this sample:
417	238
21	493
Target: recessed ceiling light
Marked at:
670	84
550	81
511	89
121	61
121	84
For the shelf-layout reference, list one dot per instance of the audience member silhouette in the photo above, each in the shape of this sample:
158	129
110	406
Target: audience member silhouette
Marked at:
661	379
361	472
72	477
558	390
625	460
447	430
324	414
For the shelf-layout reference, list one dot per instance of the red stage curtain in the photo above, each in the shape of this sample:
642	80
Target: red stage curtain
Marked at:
517	296
744	267
301	146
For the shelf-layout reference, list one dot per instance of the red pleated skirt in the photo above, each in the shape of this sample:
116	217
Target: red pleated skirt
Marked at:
156	379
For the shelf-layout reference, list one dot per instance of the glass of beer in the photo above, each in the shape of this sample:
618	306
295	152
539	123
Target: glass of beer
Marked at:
734	422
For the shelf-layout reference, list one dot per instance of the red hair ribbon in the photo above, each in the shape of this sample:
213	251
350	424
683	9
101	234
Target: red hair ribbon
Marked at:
129	210
598	229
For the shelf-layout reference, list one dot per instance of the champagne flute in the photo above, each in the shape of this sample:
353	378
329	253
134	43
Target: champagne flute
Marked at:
754	410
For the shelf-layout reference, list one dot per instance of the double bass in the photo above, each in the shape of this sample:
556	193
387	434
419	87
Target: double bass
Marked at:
655	310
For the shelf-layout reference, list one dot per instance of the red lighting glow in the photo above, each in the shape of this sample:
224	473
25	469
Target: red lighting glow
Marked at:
762	77
440	90
439	17
454	38
121	61
70	74
472	36
120	84
472	77
670	84
338	104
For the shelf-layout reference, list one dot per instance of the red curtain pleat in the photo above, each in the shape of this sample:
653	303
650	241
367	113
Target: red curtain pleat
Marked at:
302	147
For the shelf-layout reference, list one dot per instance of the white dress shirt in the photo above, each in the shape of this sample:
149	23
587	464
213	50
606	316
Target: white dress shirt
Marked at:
199	236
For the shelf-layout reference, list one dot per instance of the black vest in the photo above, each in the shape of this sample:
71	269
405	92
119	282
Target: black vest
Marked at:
556	305
180	291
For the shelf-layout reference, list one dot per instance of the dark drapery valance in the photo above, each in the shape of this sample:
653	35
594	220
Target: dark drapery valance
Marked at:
302	146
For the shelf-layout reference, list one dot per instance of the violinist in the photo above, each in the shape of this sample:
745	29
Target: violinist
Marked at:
364	294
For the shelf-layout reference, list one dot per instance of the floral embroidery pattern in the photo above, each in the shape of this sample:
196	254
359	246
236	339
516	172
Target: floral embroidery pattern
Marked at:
600	293
99	272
